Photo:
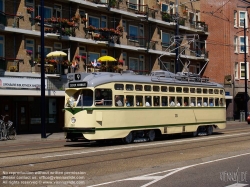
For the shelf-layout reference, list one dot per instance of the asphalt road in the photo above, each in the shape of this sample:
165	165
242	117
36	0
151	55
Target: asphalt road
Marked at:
221	159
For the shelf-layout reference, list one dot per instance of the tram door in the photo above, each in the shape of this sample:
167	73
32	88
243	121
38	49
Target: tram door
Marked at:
22	118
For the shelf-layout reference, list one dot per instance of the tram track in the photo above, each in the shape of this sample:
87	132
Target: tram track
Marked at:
99	158
40	150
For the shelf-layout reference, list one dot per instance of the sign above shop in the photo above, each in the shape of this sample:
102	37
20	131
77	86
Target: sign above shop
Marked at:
21	83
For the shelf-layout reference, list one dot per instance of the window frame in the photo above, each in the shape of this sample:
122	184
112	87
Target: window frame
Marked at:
240	19
241	69
240	44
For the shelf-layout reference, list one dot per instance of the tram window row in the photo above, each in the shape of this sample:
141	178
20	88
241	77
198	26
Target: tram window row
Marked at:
176	89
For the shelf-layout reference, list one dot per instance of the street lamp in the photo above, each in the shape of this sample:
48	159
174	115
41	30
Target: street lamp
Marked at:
43	102
245	64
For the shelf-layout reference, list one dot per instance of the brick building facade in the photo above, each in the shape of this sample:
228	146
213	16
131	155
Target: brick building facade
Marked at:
135	32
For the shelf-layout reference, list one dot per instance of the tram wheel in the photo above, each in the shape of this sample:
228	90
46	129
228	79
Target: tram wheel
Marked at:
151	135
129	138
210	130
12	134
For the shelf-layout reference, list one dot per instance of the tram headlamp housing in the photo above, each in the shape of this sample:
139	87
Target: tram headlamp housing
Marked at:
73	120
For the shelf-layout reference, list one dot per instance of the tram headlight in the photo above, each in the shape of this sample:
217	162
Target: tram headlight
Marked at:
73	120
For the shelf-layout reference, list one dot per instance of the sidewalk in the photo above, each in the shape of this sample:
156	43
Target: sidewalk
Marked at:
60	135
35	138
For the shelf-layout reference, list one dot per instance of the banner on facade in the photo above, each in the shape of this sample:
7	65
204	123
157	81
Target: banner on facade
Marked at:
21	83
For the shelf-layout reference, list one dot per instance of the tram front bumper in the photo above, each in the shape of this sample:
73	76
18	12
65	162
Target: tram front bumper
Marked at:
79	130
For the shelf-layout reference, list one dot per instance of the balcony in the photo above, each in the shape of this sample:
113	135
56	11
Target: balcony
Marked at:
57	26
10	64
10	20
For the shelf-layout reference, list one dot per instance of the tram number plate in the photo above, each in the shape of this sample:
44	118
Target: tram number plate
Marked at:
77	84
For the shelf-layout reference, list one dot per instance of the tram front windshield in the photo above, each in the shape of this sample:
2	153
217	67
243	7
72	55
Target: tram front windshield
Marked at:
78	98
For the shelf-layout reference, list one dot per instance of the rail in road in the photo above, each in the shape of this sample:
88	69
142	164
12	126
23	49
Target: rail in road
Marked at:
93	164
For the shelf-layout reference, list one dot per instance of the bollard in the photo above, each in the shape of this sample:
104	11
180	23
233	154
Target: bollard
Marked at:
242	116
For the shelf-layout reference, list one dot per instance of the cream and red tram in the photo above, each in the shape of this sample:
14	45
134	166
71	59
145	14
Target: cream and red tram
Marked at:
161	103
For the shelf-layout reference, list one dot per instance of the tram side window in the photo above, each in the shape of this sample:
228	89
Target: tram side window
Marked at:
216	91
192	100
164	101
179	101
119	87
222	102
156	88
147	88
179	89
129	100
192	90
211	101
148	101
129	87
138	87
139	100
103	97
222	92
186	90
186	101
205	101
204	90
198	90
164	88
156	100
172	101
87	96
211	91
118	100
171	89
199	101
216	101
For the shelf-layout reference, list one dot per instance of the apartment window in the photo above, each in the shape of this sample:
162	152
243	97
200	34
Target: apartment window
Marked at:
93	56
94	21
236	44
47	50
103	1
2	5
2	46
47	11
242	45
124	24
169	66
103	21
236	70
235	18
104	52
133	32
133	4
27	2
242	70
134	64
164	7
30	45
165	39
242	16
57	46
57	11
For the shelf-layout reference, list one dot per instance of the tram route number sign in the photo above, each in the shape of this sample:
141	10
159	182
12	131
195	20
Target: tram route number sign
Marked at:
77	85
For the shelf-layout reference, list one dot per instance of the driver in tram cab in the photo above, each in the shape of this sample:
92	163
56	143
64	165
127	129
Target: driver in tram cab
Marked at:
99	98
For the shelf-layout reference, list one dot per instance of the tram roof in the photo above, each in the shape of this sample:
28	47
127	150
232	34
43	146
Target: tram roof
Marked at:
156	77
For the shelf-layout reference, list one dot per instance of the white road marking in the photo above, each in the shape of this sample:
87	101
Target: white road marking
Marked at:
147	145
237	185
173	171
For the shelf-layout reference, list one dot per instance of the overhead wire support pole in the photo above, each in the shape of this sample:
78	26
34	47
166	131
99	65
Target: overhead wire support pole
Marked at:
177	63
43	101
245	65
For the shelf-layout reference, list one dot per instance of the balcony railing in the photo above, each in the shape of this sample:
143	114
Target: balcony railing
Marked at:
10	20
10	64
195	52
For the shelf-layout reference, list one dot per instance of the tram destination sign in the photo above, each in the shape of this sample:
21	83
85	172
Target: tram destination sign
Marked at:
77	84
